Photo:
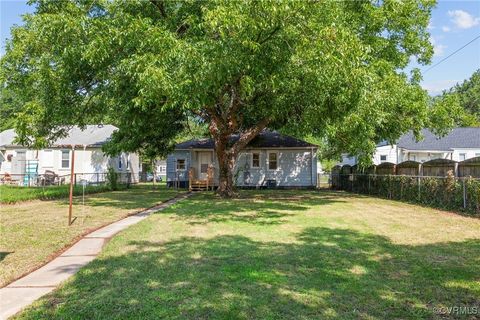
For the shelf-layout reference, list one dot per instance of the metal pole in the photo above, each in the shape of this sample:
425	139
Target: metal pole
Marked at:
71	187
419	180
464	195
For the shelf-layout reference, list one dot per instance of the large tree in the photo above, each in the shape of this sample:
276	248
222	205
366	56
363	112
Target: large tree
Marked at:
468	93
330	69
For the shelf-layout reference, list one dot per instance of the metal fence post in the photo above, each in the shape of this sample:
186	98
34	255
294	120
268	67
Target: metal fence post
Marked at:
419	196
464	194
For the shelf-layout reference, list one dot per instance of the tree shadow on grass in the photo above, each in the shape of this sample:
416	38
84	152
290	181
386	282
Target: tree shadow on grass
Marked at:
258	207
326	273
137	197
4	254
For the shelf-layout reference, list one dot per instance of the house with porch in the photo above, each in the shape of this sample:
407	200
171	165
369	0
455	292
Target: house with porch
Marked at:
459	144
19	163
269	160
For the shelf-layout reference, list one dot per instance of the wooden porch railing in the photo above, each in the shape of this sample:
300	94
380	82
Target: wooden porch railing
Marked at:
204	184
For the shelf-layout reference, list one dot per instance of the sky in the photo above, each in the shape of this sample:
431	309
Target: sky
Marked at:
453	24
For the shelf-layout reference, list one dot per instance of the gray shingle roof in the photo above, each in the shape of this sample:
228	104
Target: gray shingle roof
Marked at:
458	138
92	135
265	139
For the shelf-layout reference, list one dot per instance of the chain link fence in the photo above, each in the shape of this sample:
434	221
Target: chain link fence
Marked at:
450	192
52	179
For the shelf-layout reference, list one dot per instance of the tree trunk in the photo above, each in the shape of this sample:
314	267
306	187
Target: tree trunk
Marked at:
224	123
226	164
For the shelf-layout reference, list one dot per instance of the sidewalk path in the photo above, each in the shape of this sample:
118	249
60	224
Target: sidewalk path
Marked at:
24	291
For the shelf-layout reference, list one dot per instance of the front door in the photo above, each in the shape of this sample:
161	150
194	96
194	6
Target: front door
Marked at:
204	161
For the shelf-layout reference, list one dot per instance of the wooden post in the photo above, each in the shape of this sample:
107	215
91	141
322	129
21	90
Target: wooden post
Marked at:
72	166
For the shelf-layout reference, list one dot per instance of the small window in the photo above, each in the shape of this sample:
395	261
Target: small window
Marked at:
255	160
65	159
180	164
120	162
462	156
204	168
272	161
128	161
383	158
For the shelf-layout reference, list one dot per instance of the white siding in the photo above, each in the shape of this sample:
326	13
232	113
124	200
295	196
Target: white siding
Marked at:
388	152
90	160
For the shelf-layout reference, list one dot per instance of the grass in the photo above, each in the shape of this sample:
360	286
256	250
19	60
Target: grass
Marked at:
279	255
12	194
31	232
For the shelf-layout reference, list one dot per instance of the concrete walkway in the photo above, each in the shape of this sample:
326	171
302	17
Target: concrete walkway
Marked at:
26	290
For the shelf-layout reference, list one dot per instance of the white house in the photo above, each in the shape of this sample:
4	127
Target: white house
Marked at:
161	168
90	162
458	145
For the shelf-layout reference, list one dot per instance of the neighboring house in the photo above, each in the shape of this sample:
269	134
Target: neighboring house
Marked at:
161	168
458	145
270	157
16	160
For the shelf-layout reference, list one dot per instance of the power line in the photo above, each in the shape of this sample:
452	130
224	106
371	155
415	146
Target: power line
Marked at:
451	54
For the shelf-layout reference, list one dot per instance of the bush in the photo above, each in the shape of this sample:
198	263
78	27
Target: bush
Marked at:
112	179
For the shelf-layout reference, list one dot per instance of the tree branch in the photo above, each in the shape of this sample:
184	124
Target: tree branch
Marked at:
247	135
270	35
160	5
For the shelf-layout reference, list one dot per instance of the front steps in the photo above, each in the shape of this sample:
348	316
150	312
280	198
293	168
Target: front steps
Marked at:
200	185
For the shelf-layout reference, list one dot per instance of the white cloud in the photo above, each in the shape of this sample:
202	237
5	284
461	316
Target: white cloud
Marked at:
463	19
445	29
430	25
436	87
438	49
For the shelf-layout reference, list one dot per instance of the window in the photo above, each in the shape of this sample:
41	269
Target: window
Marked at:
65	159
462	156
413	157
272	161
180	164
383	158
255	160
128	161
120	162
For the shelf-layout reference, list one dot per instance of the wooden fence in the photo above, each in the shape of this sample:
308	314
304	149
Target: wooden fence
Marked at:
438	183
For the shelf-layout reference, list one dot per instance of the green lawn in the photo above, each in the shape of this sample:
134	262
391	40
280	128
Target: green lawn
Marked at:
13	194
31	232
279	255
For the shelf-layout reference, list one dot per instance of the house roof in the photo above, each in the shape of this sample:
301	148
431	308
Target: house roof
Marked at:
92	136
458	138
265	139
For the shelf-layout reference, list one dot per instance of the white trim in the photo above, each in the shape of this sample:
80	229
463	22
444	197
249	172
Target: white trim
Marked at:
69	159
184	164
259	160
268	160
